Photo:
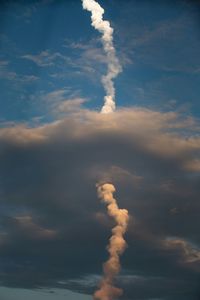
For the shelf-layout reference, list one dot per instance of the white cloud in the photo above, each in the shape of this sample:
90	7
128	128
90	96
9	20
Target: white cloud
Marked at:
43	59
71	105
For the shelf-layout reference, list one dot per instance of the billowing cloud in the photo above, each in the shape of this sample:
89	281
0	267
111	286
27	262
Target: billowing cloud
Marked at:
53	228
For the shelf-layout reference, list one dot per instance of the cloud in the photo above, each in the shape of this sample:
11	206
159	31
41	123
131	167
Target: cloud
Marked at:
44	58
20	134
3	63
56	95
71	105
115	173
48	196
193	165
7	73
25	227
188	252
89	51
62	101
161	43
83	59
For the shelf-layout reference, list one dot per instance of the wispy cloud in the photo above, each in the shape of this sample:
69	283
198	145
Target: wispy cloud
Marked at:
92	52
6	73
68	64
56	95
189	253
45	58
25	12
4	63
163	44
61	101
71	105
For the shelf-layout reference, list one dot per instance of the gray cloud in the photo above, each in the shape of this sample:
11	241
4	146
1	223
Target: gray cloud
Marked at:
54	230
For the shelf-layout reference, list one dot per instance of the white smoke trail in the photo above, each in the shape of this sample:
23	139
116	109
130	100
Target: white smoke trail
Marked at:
116	246
114	67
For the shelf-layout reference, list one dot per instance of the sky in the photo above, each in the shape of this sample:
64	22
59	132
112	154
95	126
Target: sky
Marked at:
55	146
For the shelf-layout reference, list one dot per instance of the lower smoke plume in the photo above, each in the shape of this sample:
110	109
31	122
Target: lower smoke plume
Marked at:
116	246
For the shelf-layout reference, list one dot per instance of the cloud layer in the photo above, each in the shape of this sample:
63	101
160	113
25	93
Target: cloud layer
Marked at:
53	228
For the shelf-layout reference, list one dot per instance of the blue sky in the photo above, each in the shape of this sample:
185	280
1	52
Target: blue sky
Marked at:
55	146
49	49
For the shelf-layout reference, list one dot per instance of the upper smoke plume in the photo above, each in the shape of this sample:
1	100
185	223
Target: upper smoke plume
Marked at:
114	67
116	246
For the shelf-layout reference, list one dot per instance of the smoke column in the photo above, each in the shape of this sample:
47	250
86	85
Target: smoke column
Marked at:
114	67
116	245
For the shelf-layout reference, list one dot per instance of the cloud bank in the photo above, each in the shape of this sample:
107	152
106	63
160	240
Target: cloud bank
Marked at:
53	228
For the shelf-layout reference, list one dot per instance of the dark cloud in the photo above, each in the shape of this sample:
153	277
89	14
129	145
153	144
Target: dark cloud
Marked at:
54	229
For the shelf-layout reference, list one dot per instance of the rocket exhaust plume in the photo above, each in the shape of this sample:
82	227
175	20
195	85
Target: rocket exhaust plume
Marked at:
114	67
116	246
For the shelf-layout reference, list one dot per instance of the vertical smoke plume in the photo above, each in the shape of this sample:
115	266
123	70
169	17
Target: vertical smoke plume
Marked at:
116	246
114	67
